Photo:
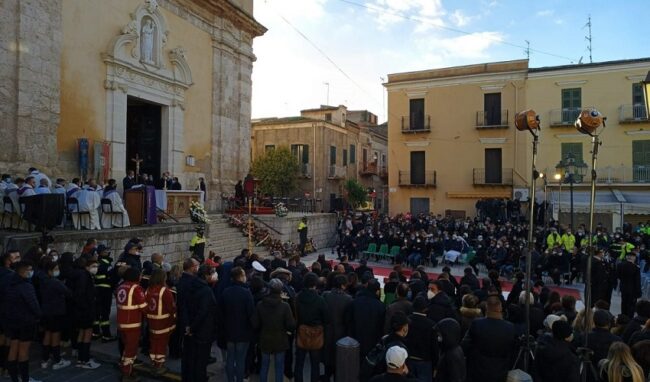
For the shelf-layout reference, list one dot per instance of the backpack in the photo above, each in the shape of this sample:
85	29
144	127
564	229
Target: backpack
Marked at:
375	362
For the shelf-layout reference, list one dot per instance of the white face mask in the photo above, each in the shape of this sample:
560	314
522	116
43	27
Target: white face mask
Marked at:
93	270
55	258
430	294
56	273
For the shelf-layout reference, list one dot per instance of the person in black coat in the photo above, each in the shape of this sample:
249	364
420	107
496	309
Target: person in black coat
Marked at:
555	360
311	311
21	320
599	290
470	279
440	304
629	276
183	294
367	315
54	296
601	338
422	342
638	322
490	345
201	324
338	305
236	309
451	367
131	256
129	181
82	285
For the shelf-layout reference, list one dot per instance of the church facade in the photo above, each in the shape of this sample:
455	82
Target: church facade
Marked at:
88	86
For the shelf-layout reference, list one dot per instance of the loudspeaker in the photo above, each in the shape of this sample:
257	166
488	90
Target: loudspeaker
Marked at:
44	210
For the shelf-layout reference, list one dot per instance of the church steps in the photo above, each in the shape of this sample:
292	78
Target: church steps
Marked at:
227	241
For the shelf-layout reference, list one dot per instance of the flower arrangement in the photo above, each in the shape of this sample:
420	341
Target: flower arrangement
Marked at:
281	210
198	214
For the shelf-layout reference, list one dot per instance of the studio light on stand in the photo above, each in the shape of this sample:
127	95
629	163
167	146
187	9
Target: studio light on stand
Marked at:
528	120
588	123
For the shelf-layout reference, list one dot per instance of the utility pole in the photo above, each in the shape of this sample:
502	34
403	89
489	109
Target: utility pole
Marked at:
588	38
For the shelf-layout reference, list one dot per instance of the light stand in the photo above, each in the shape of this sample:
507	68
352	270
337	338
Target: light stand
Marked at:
558	177
529	120
587	123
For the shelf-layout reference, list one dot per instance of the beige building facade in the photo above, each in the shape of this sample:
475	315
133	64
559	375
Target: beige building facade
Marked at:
454	129
167	80
332	145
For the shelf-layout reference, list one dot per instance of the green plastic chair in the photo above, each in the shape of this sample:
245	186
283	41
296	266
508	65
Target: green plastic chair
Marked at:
394	251
372	250
383	251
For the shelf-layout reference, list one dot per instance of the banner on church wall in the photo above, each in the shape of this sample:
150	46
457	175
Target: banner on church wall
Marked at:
101	160
83	146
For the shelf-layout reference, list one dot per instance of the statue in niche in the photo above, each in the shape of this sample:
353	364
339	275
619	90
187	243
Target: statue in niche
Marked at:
147	41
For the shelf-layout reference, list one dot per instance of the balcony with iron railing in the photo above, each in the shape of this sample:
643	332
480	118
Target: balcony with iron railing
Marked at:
492	119
368	169
622	175
418	179
337	172
305	170
413	124
564	117
493	178
632	114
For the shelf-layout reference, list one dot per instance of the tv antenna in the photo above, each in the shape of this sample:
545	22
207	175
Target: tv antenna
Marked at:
527	50
588	38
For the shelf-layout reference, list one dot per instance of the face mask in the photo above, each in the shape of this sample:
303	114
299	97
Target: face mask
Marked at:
440	339
430	294
30	274
56	274
55	258
93	270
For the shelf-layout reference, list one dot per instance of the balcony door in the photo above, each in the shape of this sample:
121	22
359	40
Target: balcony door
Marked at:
416	114
492	109
641	161
493	172
417	167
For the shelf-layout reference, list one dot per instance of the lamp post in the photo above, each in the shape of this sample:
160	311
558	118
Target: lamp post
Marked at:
569	169
529	120
545	202
558	177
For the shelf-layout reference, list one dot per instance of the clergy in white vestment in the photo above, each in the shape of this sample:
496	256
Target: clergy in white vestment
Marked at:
38	176
119	217
5	183
10	190
59	187
27	189
43	188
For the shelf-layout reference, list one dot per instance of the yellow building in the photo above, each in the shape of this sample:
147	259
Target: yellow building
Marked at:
451	133
332	144
166	80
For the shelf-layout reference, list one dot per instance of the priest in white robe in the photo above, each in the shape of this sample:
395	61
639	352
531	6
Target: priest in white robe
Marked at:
119	217
43	188
38	176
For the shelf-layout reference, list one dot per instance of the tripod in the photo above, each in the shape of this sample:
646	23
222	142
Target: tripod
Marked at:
586	366
525	350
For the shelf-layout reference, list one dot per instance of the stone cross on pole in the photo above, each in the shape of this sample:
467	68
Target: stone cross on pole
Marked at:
137	161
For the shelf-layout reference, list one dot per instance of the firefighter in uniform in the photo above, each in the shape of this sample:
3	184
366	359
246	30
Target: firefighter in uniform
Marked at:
104	285
161	317
131	307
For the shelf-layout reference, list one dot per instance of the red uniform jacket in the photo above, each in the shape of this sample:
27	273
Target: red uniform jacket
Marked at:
161	310
131	306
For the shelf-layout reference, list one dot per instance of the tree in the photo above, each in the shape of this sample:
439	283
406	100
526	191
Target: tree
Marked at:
277	171
357	194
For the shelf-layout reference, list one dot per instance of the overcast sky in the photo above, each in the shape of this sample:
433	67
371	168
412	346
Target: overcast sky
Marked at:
353	44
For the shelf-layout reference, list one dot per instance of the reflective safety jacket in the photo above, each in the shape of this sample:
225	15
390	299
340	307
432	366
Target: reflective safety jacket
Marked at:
131	306
161	310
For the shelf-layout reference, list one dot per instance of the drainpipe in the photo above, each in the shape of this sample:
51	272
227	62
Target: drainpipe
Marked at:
313	172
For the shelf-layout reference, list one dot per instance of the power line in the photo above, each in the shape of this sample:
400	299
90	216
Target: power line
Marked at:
455	30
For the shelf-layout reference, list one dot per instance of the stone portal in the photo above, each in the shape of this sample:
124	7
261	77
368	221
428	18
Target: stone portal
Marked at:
143	136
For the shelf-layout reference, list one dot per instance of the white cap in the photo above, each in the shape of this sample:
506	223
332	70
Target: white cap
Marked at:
550	320
258	267
395	357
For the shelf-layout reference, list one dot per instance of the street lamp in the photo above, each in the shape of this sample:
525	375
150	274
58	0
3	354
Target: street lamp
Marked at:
558	177
570	169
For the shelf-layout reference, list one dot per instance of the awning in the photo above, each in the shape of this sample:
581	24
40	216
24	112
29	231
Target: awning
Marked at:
607	201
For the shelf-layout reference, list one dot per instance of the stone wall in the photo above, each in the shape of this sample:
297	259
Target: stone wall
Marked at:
322	228
30	72
171	239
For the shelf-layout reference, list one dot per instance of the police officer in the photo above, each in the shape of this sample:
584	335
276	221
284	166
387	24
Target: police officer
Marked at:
302	231
104	285
629	276
131	308
131	255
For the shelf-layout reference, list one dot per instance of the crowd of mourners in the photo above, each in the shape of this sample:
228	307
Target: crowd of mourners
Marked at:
274	313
